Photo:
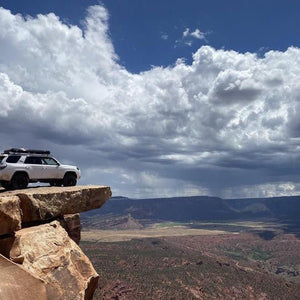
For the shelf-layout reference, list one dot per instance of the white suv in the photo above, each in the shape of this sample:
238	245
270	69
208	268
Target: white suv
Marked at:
19	166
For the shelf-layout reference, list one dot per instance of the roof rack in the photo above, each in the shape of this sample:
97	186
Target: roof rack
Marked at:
26	151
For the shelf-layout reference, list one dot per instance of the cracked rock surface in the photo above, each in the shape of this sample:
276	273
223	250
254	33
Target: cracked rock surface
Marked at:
39	237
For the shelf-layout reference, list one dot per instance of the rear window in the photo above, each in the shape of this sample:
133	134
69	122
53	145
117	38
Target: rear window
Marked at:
13	159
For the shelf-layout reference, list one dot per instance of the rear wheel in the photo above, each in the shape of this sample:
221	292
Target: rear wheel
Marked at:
6	185
69	179
19	181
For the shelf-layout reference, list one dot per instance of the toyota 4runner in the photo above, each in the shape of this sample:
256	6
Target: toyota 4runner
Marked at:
19	166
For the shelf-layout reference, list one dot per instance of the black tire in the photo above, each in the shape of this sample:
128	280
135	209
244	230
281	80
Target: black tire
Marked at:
69	179
6	185
56	183
19	181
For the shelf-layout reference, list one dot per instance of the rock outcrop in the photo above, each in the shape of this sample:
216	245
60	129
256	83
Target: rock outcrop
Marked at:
71	223
10	214
47	252
39	233
17	284
47	203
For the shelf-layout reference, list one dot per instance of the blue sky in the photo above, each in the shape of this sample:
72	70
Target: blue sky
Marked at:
137	26
157	98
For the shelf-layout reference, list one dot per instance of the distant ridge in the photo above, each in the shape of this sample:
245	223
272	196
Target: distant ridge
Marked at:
184	209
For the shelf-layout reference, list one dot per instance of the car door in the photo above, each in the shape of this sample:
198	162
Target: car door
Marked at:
50	168
34	166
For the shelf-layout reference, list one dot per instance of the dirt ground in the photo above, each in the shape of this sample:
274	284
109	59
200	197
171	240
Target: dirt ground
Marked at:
127	235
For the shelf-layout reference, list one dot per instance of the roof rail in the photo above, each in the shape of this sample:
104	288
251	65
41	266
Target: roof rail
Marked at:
29	151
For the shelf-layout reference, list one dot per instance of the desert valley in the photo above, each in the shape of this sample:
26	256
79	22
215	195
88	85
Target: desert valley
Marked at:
234	249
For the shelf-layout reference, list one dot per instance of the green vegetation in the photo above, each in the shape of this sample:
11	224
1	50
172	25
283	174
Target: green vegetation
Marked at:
258	253
236	254
255	253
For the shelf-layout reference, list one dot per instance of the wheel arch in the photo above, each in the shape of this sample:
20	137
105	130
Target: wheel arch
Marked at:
19	180
20	172
72	173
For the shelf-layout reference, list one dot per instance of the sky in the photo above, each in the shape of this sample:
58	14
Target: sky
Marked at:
157	98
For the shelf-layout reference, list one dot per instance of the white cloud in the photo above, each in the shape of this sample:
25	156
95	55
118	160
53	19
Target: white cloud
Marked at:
186	32
164	36
226	121
197	34
188	36
277	189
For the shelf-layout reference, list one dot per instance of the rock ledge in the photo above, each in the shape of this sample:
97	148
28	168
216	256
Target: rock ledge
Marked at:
38	227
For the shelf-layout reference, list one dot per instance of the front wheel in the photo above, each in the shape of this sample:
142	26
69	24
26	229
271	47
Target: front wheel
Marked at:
19	181
56	183
69	179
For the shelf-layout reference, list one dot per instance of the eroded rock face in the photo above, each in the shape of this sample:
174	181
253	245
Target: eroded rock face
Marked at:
46	251
10	214
17	284
43	261
71	223
46	203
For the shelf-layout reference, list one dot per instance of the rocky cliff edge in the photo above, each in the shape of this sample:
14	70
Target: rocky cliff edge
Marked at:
39	237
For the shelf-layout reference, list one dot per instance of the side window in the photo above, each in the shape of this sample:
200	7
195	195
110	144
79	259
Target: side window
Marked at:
50	161
13	159
33	160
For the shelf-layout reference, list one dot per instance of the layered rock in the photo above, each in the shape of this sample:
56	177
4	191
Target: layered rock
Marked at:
71	223
50	202
10	214
43	252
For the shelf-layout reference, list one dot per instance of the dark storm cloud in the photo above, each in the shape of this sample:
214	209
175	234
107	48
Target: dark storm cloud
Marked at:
225	125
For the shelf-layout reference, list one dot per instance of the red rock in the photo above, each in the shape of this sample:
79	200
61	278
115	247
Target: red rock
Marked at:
71	223
46	203
10	214
47	252
17	284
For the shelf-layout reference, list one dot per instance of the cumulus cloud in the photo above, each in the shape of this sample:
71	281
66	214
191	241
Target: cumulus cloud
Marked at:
227	124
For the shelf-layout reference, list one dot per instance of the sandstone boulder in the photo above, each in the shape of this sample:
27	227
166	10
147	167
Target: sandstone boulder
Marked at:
10	214
47	252
17	284
71	223
46	203
43	261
